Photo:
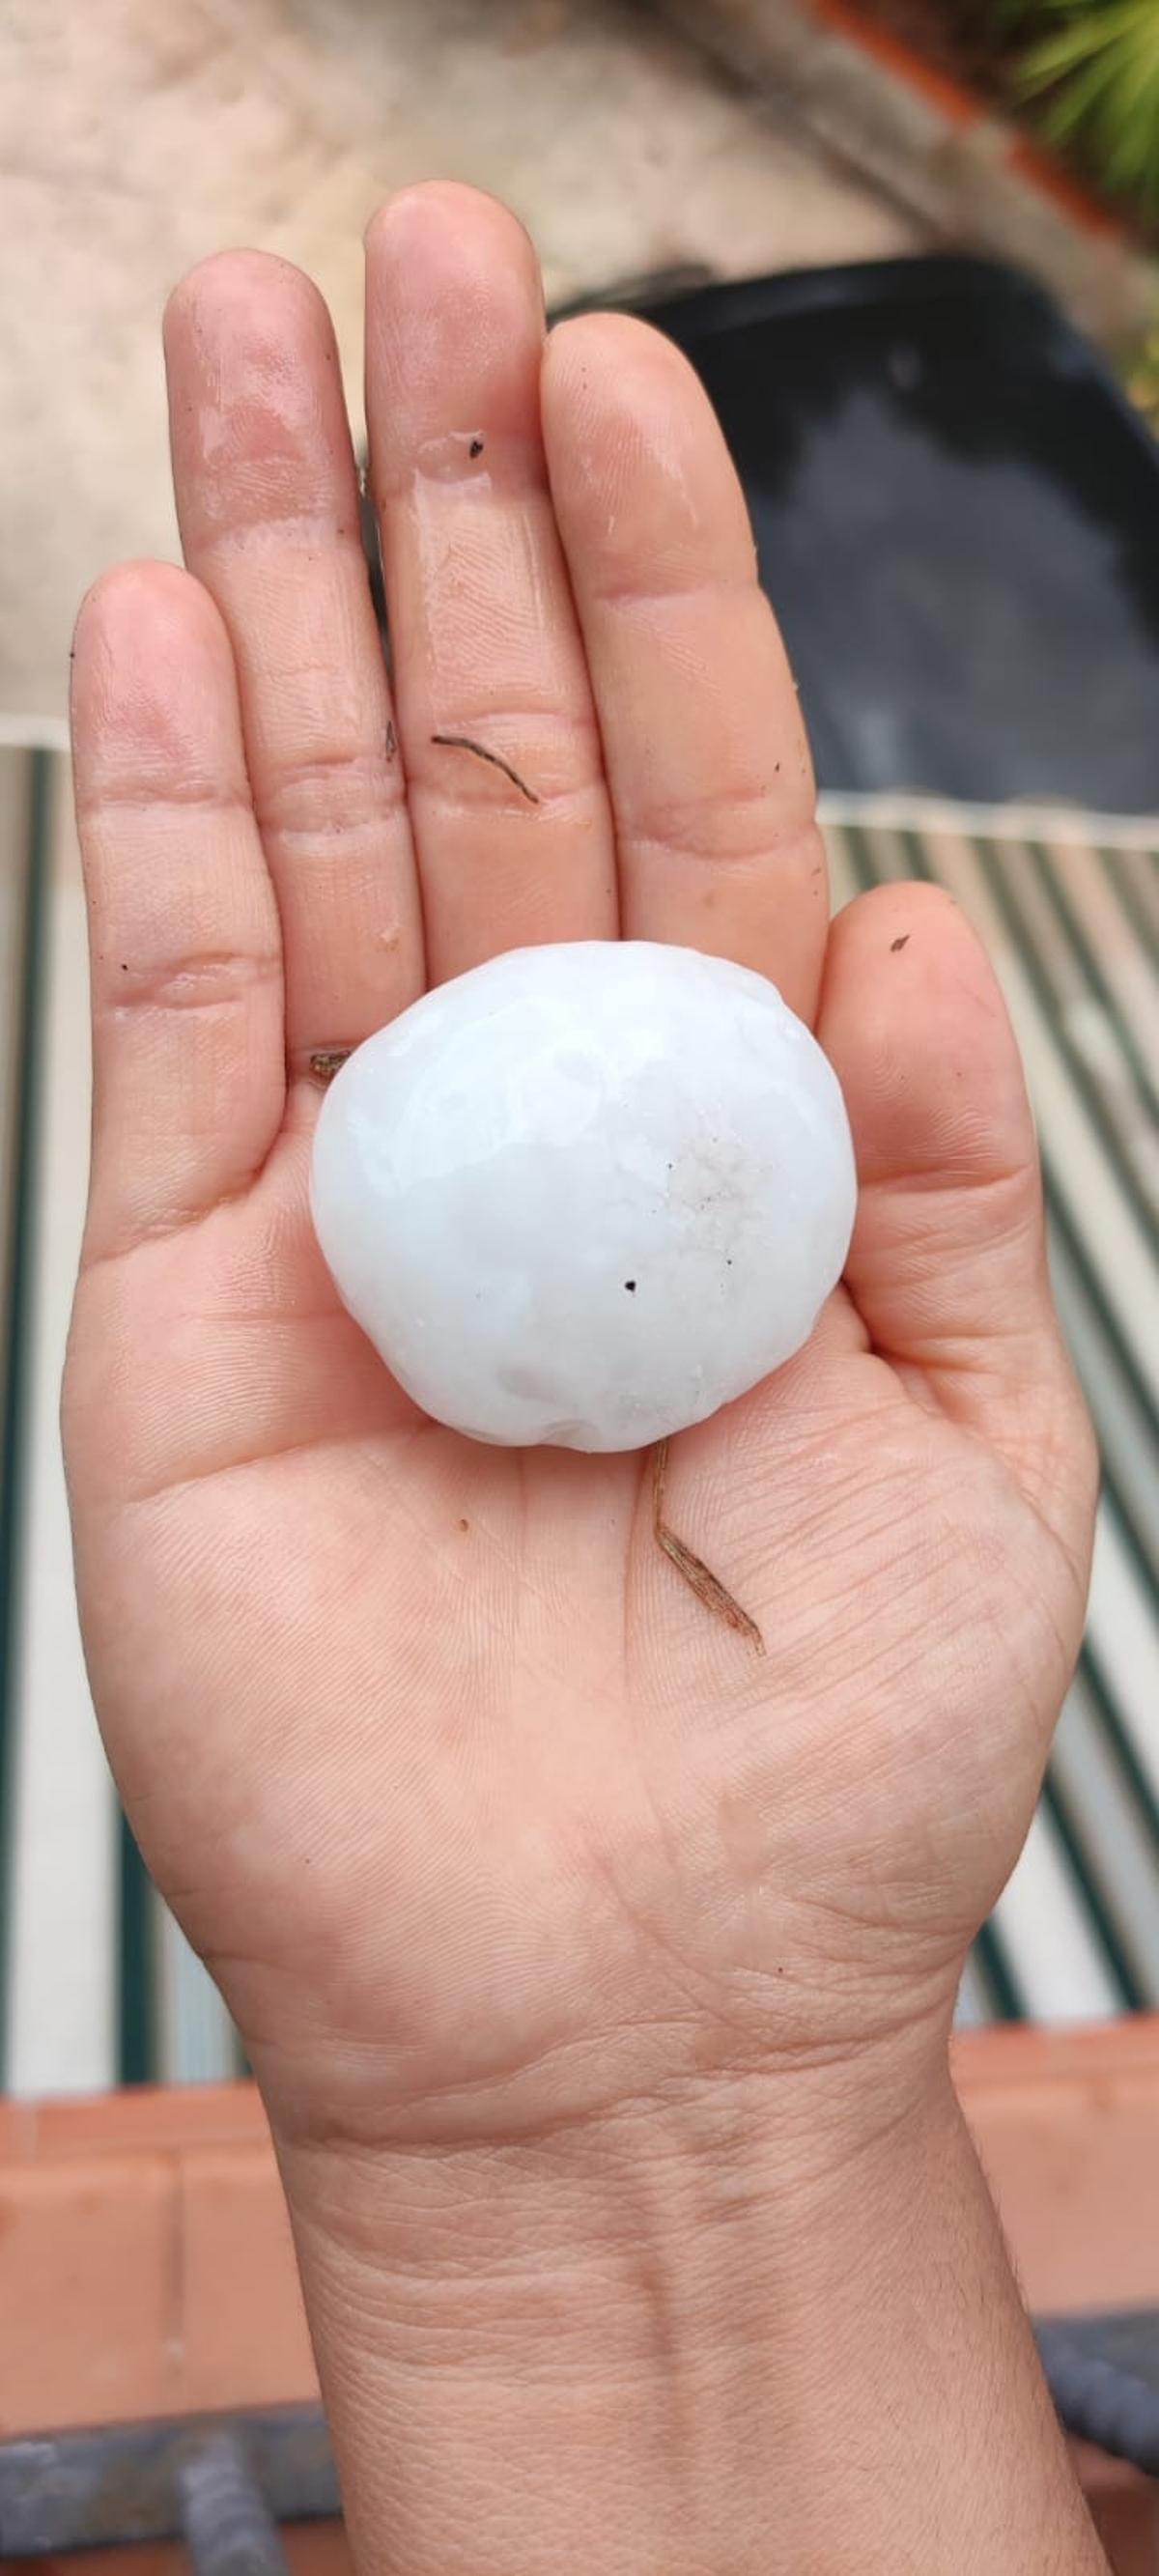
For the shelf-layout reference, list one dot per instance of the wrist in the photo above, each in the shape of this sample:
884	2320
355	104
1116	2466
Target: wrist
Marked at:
749	2191
617	2349
681	2342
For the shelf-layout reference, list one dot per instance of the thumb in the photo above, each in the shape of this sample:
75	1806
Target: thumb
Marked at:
948	1260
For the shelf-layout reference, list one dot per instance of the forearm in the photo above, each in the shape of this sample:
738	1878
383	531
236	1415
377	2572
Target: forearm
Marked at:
654	2350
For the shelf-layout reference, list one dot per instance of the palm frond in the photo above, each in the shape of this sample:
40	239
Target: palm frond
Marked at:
1094	69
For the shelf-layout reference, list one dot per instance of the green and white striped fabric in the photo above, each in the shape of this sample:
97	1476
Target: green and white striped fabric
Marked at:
1068	906
98	1985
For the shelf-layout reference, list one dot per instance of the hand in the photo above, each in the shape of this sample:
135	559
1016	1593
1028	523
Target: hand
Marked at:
489	1831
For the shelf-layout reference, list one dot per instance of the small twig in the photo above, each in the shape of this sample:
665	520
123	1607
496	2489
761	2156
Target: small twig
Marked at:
463	742
696	1574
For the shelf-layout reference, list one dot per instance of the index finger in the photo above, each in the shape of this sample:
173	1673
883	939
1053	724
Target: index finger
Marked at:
708	765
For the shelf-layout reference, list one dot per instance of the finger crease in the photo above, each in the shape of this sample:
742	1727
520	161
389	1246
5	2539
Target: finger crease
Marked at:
494	796
180	1217
631	595
743	829
331	794
204	983
142	795
317	532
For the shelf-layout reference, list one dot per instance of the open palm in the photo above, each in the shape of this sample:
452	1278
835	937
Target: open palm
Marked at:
480	1818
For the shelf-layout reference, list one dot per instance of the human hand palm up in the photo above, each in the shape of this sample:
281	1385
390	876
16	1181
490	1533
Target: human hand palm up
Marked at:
481	1819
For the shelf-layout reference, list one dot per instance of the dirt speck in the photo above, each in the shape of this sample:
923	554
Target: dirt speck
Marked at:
464	1525
902	942
327	1062
630	1285
476	447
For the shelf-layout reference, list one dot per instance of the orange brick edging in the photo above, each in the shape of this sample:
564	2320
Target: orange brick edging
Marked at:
959	107
146	2265
1067	2126
965	173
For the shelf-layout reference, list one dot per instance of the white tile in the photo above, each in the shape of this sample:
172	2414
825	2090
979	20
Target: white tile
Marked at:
1053	1952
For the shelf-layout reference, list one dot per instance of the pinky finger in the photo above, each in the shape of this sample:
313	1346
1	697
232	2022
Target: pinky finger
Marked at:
188	1046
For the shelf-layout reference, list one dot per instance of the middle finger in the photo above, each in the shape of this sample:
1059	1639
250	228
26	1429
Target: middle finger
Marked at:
485	642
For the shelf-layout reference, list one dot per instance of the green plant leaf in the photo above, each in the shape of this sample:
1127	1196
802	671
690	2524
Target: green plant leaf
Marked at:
1095	69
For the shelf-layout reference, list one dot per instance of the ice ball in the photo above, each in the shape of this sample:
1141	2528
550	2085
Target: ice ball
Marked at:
586	1194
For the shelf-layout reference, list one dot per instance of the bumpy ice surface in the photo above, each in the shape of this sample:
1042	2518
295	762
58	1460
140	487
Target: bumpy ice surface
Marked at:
586	1194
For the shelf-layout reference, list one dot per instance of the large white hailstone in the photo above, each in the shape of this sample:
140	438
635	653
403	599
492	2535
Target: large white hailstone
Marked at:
585	1194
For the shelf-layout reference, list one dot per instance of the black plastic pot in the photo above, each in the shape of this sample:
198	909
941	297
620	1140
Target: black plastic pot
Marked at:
957	513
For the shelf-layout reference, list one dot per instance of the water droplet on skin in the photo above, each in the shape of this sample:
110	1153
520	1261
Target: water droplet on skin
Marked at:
455	457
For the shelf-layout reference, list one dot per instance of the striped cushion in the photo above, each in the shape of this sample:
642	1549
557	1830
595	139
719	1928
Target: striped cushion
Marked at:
98	1983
